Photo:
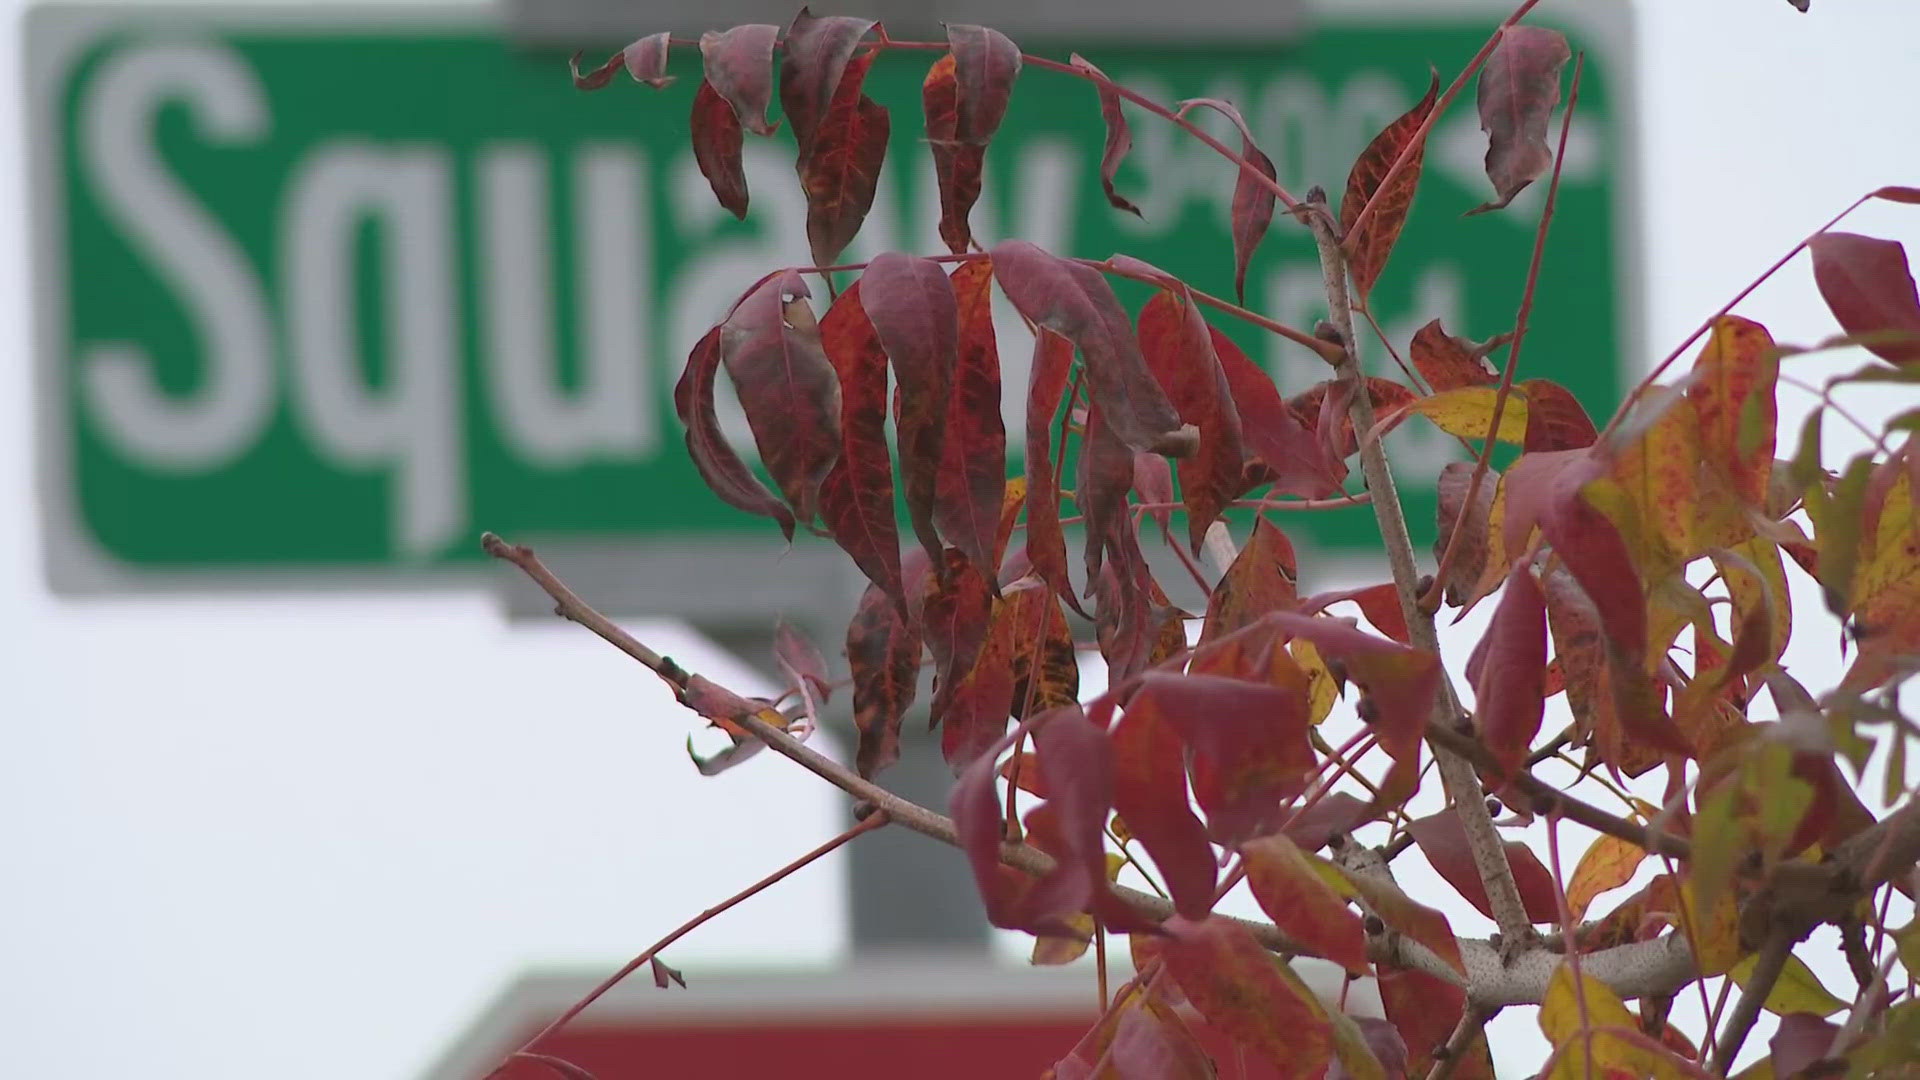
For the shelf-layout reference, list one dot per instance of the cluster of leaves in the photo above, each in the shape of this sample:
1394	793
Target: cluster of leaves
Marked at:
1641	570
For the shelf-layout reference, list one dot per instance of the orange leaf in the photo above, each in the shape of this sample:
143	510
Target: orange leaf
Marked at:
1733	400
1608	864
1301	903
1260	580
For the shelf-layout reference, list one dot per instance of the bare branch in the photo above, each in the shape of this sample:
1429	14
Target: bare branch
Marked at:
1766	971
1462	785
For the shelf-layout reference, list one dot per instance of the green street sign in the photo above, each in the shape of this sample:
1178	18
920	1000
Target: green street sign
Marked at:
334	291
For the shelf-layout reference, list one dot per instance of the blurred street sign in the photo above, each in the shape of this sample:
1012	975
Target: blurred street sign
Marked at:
322	292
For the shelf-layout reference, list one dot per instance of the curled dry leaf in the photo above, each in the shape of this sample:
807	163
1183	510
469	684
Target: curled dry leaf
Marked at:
738	64
803	658
912	307
1075	301
645	60
725	474
1519	87
1868	287
1367	249
1119	136
856	501
787	387
883	651
1252	200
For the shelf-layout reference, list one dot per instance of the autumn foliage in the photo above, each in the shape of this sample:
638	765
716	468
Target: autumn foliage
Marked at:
1640	567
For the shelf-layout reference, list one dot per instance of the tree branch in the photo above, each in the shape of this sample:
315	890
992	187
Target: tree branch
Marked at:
1448	1058
1462	785
1766	971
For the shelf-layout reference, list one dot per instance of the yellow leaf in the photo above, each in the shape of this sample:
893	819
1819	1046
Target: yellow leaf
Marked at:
1746	592
1051	951
1715	931
1577	1006
1797	989
1608	864
1320	689
1467	411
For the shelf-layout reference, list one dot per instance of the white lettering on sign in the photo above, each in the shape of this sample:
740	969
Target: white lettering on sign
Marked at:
412	423
612	414
186	250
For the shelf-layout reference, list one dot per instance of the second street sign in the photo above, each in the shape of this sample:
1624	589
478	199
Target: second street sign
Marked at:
336	291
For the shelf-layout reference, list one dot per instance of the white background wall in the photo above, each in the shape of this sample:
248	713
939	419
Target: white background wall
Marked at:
311	838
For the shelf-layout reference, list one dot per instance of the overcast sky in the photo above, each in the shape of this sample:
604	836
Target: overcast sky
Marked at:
312	838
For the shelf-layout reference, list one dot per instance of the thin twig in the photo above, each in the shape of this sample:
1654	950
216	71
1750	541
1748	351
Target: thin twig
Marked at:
1458	777
1766	971
861	828
1431	601
1448	1058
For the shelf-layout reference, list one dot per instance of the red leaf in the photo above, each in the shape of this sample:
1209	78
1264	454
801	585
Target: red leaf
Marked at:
840	166
725	474
1119	136
1379	603
973	712
1545	489
1329	400
1469	563
1046	544
1249	994
956	164
1249	743
1443	840
856	502
598	77
716	149
1152	1041
1302	904
739	64
1124	624
1038	632
883	649
912	306
1178	346
1368	249
787	387
1106	474
1909	195
1801	1040
1867	286
1424	1009
1555	418
986	64
1078	759
1252	200
812	74
1153	482
1509	671
1150	794
1412	918
1261	580
1611	698
1284	450
1399	681
1519	87
974	804
1075	301
955	615
972	480
1447	362
792	648
1327	817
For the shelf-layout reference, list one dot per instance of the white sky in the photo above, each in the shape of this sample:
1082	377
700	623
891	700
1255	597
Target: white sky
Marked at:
311	838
